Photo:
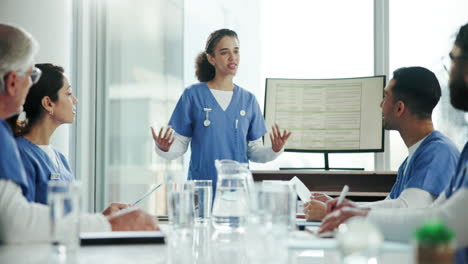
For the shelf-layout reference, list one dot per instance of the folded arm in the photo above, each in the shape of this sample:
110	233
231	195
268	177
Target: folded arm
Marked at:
400	224
409	198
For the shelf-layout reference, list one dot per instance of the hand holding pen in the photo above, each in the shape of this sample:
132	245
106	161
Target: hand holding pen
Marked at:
114	208
119	209
340	202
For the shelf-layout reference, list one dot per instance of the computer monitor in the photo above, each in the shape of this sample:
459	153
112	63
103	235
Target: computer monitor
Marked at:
327	115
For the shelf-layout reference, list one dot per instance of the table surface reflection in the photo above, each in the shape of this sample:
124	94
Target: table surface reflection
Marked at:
204	245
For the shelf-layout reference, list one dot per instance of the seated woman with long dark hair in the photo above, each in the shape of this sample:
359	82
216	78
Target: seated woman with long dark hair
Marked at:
49	104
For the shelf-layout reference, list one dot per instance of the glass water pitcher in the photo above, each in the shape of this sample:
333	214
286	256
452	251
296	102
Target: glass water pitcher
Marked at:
231	203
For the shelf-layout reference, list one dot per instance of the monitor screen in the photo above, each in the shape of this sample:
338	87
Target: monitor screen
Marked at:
327	115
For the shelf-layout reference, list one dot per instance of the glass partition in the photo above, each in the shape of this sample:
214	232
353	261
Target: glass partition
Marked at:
140	77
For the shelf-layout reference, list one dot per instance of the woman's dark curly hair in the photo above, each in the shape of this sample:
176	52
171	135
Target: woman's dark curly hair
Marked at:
204	70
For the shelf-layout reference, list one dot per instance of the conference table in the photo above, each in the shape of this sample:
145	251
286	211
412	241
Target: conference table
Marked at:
205	245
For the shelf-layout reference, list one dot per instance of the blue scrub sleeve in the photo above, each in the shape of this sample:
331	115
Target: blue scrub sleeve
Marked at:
397	187
461	178
464	167
257	126
434	169
32	177
11	166
181	119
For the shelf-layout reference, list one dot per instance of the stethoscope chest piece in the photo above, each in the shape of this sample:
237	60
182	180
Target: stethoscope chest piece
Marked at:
207	121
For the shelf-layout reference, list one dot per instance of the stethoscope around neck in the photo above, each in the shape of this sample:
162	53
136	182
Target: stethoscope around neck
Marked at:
207	121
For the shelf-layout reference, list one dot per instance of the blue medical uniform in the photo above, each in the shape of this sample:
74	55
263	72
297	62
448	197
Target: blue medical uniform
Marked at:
228	133
460	180
431	167
40	169
11	166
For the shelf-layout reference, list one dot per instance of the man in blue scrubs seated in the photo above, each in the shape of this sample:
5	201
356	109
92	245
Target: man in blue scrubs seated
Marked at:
450	206
49	104
218	118
20	220
407	106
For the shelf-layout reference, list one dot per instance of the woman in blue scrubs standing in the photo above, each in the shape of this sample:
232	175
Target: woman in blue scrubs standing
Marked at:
217	117
49	104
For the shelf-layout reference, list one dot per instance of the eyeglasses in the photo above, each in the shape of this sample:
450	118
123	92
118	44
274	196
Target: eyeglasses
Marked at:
35	75
461	57
447	60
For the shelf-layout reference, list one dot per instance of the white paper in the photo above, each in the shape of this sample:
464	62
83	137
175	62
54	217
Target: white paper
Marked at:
301	190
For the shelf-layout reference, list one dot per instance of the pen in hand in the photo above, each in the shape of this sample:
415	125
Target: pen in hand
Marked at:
132	206
342	196
146	195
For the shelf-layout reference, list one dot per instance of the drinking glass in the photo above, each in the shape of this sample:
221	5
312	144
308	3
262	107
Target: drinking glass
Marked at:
202	245
64	202
259	239
180	205
279	201
203	198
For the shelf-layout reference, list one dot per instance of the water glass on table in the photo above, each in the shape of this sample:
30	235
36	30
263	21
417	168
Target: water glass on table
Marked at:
180	205
279	202
203	198
63	199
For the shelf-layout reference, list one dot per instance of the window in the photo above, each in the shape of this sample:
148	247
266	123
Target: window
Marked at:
315	39
140	77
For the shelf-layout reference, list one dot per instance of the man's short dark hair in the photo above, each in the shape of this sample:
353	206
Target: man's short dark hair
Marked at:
417	87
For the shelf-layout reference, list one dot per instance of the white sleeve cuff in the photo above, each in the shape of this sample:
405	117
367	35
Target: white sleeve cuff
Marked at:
178	148
257	152
94	223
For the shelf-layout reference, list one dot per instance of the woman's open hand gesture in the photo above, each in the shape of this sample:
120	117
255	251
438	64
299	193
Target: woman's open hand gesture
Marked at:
163	141
278	140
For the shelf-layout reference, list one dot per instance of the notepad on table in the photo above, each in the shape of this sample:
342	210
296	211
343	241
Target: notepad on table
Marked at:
121	237
303	223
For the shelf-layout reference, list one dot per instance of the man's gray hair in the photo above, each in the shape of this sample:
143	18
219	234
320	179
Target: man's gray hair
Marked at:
17	51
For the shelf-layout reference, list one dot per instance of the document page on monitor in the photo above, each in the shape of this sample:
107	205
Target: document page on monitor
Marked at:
331	114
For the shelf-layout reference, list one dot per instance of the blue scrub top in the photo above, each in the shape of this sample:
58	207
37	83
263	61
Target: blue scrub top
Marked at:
431	167
40	169
460	180
228	133
11	166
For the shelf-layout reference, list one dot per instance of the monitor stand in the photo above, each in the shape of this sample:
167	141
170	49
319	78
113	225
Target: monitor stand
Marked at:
327	166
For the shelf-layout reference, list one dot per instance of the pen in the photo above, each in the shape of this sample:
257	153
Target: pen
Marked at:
146	195
342	195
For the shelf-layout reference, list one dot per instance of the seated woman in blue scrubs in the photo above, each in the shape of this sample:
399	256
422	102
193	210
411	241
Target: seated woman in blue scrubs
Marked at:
217	117
49	104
